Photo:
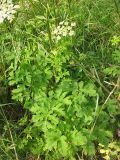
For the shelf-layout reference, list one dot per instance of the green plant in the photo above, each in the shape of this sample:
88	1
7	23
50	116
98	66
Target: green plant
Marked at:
69	88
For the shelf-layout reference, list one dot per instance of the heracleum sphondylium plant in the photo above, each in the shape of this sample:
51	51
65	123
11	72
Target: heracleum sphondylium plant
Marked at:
7	10
54	84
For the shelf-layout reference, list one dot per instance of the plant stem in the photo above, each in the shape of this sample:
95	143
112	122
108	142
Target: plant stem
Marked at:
48	27
55	13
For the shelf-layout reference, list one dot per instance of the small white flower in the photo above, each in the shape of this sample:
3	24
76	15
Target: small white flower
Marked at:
73	24
69	28
61	23
60	30
64	34
1	19
55	31
16	7
58	27
66	23
10	17
71	33
58	38
13	12
7	10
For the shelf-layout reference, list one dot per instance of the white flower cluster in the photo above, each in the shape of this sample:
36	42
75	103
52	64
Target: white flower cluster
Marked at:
7	10
64	29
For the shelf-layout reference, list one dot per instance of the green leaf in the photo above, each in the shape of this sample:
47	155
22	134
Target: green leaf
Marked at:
89	149
112	107
90	90
52	138
78	139
63	146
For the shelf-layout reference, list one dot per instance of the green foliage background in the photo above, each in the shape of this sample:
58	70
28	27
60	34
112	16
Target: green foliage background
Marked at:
60	100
